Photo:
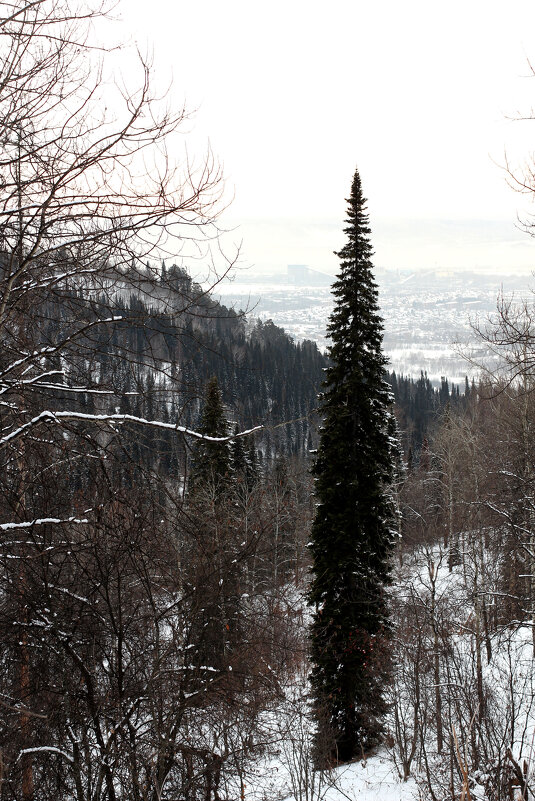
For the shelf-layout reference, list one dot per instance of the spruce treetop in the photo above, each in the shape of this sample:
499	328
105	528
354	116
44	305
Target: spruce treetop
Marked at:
357	311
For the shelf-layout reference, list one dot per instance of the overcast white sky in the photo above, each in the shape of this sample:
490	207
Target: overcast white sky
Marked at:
293	95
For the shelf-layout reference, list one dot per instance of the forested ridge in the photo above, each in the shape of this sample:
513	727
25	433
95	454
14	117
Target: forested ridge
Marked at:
166	338
160	361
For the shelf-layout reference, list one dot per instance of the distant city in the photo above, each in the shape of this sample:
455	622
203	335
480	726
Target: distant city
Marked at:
428	316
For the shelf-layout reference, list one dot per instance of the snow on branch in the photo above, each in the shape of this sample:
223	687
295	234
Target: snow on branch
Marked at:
118	419
48	349
47	748
41	521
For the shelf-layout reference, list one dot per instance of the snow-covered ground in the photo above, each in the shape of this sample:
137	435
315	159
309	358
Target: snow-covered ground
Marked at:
427	587
285	772
373	779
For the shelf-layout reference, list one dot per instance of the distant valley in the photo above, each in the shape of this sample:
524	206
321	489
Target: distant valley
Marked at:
427	315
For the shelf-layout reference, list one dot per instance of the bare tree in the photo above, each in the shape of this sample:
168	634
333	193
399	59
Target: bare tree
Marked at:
96	685
89	190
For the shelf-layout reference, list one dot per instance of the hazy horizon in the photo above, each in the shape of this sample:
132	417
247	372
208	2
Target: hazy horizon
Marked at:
487	246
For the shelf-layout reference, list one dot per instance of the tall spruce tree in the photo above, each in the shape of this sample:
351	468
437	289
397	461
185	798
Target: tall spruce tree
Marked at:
354	529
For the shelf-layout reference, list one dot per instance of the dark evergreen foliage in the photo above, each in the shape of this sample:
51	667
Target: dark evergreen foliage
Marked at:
238	457
211	460
419	405
354	528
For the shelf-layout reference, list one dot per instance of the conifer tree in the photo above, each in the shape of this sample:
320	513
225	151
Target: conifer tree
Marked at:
238	458
211	460
354	529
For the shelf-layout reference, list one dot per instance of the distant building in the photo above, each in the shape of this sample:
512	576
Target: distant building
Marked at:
302	275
